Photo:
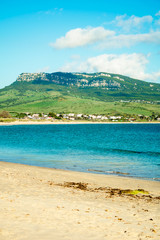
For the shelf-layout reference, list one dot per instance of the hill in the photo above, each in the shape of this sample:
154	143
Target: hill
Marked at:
97	93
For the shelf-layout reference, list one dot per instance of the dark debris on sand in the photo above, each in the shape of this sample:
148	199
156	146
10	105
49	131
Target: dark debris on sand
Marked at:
78	185
111	192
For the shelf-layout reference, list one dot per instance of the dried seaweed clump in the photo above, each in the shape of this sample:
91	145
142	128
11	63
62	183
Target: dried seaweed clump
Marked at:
79	185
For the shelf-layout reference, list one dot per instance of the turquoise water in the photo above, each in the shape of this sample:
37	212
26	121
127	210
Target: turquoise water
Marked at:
102	148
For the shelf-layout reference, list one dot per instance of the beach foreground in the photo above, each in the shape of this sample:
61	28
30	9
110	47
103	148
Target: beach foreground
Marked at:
43	204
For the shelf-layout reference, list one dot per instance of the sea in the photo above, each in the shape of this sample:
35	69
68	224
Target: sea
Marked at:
129	150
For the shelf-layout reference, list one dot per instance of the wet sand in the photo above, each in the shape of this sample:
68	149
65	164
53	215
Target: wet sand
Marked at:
44	204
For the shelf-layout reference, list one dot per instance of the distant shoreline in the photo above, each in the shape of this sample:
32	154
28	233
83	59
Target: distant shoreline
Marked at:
65	122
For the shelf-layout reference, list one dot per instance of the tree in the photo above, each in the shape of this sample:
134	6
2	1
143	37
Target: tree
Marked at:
5	114
51	114
21	115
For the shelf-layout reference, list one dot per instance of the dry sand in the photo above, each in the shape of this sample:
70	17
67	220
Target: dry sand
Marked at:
37	203
42	122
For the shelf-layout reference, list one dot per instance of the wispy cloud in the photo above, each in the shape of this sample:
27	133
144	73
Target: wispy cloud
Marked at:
157	22
158	13
44	69
128	23
51	11
127	40
75	57
82	36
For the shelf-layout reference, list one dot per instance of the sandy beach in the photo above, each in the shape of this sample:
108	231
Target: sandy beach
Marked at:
35	122
43	204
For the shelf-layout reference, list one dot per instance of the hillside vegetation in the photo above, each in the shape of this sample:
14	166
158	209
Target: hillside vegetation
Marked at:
99	93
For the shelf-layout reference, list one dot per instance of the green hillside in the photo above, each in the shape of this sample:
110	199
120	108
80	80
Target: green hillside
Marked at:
99	93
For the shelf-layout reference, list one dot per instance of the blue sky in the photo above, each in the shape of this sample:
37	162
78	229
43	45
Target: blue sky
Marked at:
117	36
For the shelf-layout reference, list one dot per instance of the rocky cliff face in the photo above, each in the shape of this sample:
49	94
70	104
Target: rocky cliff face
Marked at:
77	79
31	77
101	80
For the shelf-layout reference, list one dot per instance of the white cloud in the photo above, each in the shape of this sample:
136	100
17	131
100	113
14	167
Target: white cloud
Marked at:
123	40
82	36
158	13
157	22
132	22
104	38
132	65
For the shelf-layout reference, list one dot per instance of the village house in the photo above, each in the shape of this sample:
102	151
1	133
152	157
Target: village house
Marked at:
104	118
71	115
79	115
65	116
99	117
115	118
92	117
29	116
35	116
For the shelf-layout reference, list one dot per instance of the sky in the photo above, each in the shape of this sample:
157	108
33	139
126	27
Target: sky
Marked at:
117	36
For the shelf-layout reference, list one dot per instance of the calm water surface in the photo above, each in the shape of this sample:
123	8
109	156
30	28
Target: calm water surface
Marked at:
103	148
